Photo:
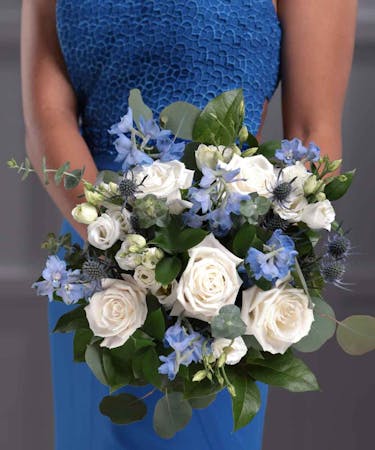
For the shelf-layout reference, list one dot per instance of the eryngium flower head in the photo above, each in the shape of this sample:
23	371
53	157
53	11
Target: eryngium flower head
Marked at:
338	246
94	269
332	270
282	191
273	222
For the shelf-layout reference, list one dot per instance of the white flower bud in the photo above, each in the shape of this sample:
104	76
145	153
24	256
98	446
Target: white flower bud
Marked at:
151	257
85	213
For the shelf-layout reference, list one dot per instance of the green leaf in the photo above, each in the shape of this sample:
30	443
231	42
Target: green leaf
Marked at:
243	239
167	269
339	185
138	107
107	176
202	402
123	409
228	323
150	365
154	325
204	388
117	376
356	334
172	240
285	371
94	359
27	169
252	141
82	339
73	320
221	119
179	117
60	172
322	329
189	157
71	181
172	413
247	401
267	149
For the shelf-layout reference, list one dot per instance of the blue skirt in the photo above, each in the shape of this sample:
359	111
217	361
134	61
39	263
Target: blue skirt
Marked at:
79	425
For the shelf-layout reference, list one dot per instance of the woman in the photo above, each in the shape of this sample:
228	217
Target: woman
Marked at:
79	61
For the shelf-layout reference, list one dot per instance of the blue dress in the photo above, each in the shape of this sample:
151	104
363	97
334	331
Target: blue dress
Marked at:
171	50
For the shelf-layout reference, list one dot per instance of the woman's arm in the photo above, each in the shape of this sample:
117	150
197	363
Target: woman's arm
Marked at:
49	104
317	50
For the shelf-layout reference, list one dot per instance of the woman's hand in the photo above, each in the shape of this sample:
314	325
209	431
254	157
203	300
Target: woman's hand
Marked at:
50	105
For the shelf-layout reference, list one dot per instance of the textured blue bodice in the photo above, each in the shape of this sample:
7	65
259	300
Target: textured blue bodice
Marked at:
188	50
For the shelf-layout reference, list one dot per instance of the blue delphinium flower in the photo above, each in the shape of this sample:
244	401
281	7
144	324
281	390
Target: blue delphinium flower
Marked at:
151	129
168	148
219	222
187	346
233	202
312	152
54	274
128	154
278	259
201	198
125	125
291	151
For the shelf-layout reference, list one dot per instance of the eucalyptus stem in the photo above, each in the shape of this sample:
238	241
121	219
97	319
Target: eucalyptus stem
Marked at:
303	282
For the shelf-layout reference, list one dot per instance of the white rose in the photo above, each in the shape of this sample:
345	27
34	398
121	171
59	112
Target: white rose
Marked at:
123	216
319	215
256	175
167	295
210	155
104	232
235	350
209	281
151	257
118	311
85	213
164	180
145	278
277	318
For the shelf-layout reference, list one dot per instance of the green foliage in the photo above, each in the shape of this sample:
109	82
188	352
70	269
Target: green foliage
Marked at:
167	269
94	359
202	402
356	334
71	321
246	402
189	157
285	371
322	329
252	141
149	367
73	178
82	339
45	171
228	323
138	107
53	243
154	325
338	186
179	117
107	176
254	208
151	210
268	149
221	119
172	413
59	174
243	240
175	239
123	409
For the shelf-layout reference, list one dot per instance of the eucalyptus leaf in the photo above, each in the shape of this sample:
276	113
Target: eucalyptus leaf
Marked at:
179	117
60	172
285	371
138	107
107	176
322	329
73	178
268	149
172	413
247	401
356	334
123	409
221	119
228	323
202	402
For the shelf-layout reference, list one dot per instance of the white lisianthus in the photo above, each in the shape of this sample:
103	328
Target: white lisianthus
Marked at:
123	216
93	196
145	277
164	180
128	261
103	232
234	351
297	174
133	243
210	155
131	251
293	209
167	295
151	257
256	175
319	215
100	194
209	281
85	213
117	311
278	318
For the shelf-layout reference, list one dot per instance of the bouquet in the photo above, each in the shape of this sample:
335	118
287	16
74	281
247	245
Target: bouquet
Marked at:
206	259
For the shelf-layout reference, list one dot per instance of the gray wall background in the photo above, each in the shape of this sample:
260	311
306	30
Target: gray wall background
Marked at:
341	417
